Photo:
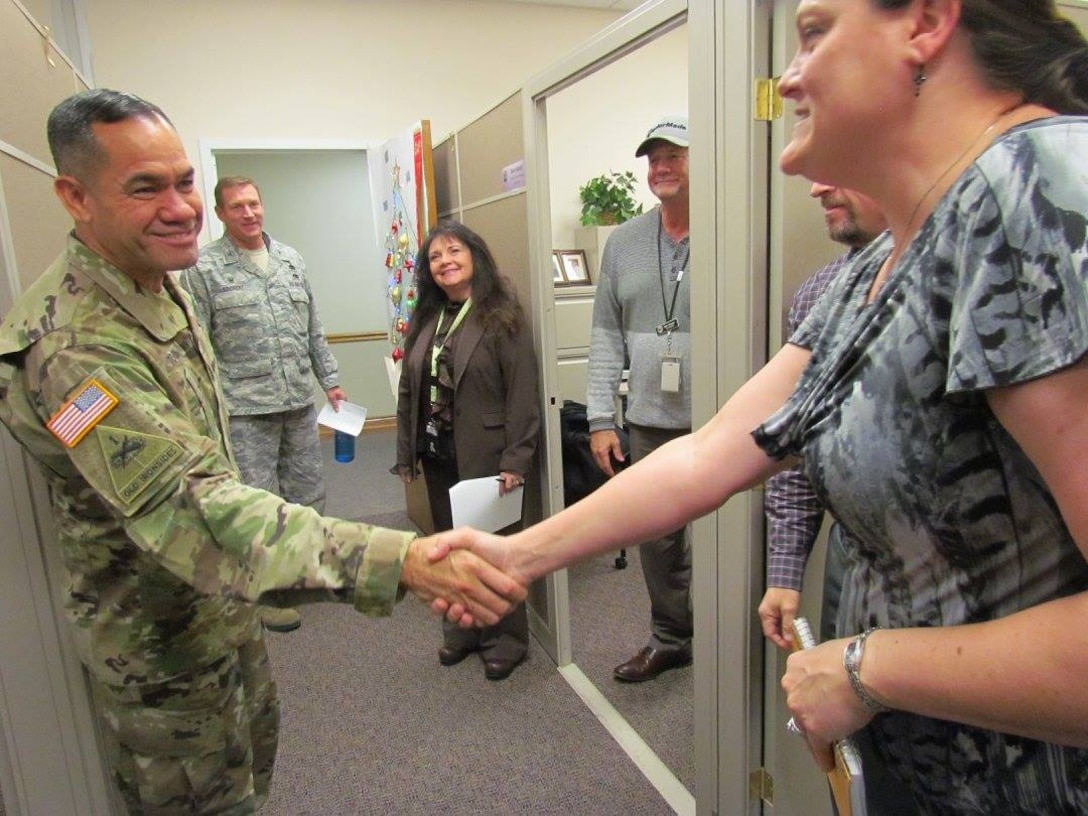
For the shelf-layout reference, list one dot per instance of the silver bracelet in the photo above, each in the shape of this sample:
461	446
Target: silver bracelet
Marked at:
851	661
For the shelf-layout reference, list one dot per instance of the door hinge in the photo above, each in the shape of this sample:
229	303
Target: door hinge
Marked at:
761	786
768	100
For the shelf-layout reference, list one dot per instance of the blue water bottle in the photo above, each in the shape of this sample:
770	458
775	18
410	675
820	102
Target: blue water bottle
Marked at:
343	446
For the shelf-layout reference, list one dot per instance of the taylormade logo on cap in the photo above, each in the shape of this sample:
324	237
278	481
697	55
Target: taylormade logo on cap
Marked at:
672	129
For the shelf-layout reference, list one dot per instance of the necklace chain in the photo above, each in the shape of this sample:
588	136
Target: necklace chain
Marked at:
957	160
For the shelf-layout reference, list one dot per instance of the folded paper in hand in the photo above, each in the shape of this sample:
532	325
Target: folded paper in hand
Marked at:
349	418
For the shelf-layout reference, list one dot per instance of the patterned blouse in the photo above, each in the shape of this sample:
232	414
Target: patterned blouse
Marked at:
947	520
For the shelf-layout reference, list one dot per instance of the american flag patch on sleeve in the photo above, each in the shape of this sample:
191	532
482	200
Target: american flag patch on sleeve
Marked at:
76	417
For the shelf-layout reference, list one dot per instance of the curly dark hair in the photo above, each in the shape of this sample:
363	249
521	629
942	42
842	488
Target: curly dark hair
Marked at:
493	295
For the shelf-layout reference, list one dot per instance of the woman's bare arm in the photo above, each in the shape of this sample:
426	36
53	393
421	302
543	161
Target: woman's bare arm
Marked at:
677	483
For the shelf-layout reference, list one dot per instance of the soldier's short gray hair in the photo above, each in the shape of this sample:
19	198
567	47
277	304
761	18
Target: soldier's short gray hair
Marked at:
76	151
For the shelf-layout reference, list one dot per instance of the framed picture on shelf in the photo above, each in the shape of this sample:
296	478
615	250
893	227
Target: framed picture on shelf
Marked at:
574	266
557	271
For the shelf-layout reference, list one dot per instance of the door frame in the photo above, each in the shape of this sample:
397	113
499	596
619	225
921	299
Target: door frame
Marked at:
612	43
209	173
730	202
729	190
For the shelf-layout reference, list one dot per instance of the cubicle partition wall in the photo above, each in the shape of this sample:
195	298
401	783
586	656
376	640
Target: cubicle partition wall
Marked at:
480	181
44	711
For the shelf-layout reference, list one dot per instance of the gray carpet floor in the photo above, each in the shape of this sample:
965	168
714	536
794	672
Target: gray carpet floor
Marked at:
610	621
373	724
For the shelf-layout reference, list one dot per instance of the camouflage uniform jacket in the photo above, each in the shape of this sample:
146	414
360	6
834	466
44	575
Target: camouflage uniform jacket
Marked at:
264	327
164	546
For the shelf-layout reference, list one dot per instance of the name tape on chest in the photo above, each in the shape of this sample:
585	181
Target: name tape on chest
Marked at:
81	413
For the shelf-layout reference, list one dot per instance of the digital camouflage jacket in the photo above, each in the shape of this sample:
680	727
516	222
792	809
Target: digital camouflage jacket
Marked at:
264	327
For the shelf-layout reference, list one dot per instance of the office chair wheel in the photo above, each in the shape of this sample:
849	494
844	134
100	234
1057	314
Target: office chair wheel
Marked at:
621	560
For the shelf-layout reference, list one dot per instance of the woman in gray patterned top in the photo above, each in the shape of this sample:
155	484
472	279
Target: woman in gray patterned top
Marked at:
939	396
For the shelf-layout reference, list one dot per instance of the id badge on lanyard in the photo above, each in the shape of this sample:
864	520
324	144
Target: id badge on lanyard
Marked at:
670	362
670	367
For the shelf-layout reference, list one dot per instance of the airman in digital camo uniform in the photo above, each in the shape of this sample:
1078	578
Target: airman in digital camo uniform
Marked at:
252	295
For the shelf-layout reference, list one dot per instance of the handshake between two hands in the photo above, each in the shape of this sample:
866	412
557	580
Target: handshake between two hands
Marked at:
468	576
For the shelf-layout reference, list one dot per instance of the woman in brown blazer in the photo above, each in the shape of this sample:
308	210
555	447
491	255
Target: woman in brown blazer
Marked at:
468	404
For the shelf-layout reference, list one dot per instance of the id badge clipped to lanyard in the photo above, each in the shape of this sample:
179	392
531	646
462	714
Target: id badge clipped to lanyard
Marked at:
670	368
670	361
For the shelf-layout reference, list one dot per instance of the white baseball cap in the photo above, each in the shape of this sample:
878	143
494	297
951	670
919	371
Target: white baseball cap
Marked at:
672	129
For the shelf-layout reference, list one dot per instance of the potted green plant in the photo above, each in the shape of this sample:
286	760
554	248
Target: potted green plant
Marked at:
609	199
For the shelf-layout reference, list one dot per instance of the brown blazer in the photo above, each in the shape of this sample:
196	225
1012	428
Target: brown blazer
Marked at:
496	402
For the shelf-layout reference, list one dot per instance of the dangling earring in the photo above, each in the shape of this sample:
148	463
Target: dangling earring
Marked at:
919	78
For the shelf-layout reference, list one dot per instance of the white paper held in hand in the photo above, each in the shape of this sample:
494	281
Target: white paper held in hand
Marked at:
477	503
349	418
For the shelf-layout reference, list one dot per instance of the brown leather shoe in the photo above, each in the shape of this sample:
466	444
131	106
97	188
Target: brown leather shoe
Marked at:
452	655
498	668
650	662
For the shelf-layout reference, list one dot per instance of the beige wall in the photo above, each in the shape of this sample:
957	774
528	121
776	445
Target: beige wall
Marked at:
49	760
595	125
309	71
327	69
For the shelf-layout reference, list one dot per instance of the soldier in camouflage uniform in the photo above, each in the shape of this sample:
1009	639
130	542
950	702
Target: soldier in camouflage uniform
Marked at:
109	383
253	298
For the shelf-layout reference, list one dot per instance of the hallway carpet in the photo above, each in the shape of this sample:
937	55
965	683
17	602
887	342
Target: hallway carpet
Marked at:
372	724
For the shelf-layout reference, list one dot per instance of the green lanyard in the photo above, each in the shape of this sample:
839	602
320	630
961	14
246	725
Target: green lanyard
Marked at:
436	349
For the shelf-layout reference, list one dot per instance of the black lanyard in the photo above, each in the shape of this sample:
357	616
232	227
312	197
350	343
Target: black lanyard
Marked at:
670	324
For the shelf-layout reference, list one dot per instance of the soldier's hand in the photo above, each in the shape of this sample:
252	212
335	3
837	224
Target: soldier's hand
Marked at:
464	587
496	550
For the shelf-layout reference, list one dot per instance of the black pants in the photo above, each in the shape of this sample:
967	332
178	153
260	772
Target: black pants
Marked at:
509	638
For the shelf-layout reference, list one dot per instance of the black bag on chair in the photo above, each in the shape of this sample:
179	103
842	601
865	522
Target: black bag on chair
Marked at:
581	476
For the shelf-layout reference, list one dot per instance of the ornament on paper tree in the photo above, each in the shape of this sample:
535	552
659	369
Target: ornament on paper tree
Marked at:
400	243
